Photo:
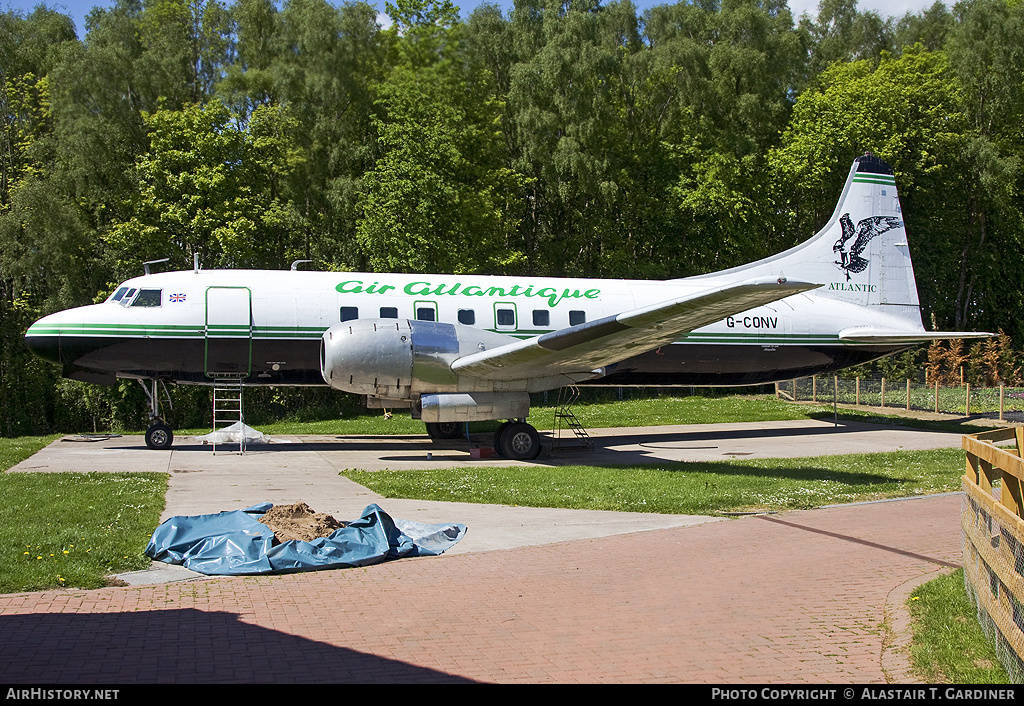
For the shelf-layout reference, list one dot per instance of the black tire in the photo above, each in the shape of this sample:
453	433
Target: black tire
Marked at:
445	430
497	437
159	436
519	441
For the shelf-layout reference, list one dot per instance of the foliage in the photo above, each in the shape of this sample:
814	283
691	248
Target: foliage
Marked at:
990	362
209	188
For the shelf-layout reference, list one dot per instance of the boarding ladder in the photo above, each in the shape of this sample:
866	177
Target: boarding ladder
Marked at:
564	418
227	406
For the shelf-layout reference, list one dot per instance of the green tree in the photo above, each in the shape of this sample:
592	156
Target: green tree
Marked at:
209	188
323	74
986	51
840	32
909	111
440	197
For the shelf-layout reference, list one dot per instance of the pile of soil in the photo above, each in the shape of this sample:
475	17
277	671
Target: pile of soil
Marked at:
298	521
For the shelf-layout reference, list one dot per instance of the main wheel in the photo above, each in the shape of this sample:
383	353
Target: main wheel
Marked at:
445	430
159	436
519	441
498	433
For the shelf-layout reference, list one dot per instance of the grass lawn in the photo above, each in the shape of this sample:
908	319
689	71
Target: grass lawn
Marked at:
74	529
688	488
948	645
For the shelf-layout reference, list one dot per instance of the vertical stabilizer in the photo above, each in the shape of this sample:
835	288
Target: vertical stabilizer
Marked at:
861	255
869	253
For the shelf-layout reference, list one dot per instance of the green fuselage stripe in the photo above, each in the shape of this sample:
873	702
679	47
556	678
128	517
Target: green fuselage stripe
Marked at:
312	333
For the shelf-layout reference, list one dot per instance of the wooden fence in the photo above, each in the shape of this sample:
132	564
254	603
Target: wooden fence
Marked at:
994	539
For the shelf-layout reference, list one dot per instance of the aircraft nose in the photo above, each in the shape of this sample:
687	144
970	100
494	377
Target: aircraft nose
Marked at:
43	342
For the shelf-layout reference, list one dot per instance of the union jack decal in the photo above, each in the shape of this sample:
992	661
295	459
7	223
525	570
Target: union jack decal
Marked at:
177	297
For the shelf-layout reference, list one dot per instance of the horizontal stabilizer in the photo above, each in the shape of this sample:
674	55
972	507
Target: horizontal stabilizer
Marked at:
875	335
588	347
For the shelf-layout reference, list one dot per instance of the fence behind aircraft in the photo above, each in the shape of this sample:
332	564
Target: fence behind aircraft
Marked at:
998	402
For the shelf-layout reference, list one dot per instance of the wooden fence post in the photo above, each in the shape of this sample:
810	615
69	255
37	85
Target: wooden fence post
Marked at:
908	394
967	405
883	392
857	401
1001	390
936	396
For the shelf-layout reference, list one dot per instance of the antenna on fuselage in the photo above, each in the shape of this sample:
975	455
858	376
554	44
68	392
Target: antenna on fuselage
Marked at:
295	264
195	262
145	265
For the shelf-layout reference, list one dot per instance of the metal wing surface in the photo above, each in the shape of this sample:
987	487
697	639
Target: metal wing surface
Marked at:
588	347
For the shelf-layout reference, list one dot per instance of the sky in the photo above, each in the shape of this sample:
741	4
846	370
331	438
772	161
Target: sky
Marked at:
78	9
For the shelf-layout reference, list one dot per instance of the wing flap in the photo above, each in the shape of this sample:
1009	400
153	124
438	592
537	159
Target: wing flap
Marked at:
590	346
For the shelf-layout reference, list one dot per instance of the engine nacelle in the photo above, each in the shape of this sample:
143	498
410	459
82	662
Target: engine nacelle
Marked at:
473	406
400	359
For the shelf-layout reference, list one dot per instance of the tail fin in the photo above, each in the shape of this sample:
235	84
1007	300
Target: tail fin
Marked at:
861	255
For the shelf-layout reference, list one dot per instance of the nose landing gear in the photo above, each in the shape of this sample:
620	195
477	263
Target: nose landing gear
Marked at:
159	434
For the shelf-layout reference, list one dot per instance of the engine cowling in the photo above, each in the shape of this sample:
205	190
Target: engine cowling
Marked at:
401	359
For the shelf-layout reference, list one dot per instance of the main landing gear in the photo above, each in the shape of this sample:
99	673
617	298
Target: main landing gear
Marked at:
159	434
445	430
517	440
513	439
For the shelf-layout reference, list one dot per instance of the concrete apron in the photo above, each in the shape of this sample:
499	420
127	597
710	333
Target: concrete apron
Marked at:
307	469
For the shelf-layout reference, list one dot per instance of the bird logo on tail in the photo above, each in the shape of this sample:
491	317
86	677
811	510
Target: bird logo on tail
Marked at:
850	260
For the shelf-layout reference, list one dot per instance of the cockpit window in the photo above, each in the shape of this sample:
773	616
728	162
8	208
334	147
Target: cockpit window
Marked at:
118	294
147	297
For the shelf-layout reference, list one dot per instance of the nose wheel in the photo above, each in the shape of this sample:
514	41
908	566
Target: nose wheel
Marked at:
159	436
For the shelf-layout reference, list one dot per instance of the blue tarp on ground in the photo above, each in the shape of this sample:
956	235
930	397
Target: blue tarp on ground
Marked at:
235	543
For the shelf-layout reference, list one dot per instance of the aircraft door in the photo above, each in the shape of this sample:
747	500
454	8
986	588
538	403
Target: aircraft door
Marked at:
228	331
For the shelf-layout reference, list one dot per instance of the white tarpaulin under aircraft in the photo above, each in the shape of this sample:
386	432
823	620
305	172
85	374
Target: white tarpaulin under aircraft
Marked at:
460	348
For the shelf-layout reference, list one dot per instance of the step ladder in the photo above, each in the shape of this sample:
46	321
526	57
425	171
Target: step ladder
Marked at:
564	418
227	406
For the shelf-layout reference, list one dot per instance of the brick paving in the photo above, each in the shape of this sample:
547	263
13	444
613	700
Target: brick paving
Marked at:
804	597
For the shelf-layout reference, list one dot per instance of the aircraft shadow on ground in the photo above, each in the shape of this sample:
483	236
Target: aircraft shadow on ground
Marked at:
183	646
610	451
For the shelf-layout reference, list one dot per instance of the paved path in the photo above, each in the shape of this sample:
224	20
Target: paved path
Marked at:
802	597
805	597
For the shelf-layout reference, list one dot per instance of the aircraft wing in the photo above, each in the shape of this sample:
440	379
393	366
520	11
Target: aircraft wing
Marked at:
875	335
587	347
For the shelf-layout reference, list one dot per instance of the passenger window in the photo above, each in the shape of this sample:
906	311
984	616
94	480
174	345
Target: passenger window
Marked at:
505	317
577	317
467	317
541	317
389	312
425	313
349	312
147	297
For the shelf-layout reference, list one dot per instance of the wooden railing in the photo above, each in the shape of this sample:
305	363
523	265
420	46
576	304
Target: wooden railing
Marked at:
994	539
